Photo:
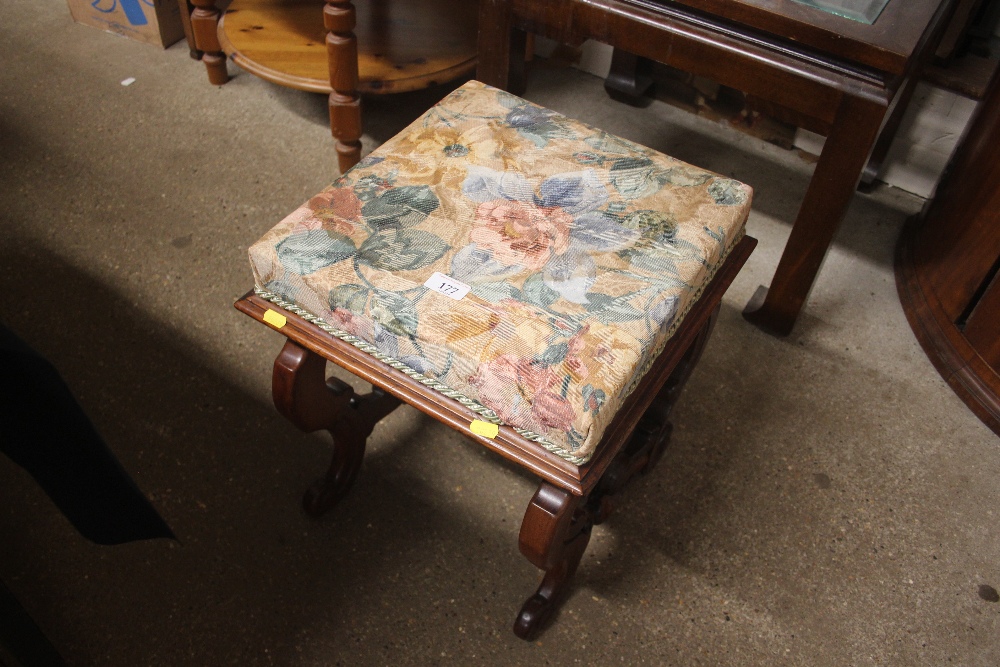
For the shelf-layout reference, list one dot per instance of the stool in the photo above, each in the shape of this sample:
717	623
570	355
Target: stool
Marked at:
538	284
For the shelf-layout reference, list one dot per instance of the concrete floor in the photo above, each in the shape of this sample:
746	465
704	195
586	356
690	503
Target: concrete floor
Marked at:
826	499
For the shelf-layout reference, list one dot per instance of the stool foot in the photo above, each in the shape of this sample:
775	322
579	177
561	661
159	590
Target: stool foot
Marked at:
313	403
537	611
554	534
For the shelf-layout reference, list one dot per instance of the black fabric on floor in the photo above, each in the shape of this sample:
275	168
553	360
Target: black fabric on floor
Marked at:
44	430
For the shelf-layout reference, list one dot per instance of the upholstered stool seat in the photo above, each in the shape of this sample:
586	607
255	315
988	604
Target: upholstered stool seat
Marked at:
530	280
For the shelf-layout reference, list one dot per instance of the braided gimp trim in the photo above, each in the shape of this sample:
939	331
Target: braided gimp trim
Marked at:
486	413
637	377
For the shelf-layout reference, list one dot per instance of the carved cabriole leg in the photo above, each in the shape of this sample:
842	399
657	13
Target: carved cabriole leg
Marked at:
345	103
205	27
554	534
557	525
311	402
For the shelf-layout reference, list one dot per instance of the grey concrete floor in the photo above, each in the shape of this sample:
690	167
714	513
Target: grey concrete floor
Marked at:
826	499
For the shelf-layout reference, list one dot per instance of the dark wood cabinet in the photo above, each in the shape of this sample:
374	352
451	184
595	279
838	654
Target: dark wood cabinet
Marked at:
841	78
947	267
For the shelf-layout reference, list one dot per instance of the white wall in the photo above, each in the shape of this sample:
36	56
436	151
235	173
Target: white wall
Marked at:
932	126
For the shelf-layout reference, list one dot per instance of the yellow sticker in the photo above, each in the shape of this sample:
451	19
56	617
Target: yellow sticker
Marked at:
484	429
276	320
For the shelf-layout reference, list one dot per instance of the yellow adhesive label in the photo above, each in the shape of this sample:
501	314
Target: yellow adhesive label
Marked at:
484	429
276	320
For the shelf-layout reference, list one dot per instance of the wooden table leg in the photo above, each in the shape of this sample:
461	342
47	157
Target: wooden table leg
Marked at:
205	27
501	48
629	79
830	191
311	402
339	18
185	8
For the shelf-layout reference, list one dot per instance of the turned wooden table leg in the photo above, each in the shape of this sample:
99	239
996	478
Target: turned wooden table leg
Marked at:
311	402
205	27
831	189
345	103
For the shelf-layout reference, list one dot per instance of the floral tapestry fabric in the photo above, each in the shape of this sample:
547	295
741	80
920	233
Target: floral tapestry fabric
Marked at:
582	252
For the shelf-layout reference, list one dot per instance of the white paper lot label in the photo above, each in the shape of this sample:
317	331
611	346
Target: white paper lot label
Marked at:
450	287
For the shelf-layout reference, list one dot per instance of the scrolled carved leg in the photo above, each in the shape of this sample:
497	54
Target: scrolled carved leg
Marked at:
557	525
554	534
339	18
303	395
205	28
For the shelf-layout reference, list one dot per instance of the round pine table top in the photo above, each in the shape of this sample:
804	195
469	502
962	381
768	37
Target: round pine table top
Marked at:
403	45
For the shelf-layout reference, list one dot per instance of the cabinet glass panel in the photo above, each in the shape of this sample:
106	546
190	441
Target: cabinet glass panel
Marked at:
865	11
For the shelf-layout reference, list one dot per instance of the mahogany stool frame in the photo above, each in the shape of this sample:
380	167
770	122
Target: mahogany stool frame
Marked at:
570	499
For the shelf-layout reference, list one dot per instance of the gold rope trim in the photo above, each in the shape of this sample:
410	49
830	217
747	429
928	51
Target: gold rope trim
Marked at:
678	320
369	349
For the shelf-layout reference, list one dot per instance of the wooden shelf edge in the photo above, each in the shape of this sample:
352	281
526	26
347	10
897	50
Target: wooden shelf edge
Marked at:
364	87
368	84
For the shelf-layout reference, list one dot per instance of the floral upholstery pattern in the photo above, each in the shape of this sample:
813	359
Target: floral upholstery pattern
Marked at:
582	252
